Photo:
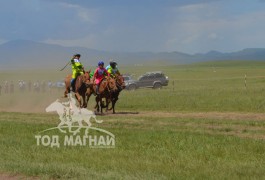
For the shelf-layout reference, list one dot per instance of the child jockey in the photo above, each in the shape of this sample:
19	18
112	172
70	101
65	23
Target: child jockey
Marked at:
99	74
77	69
112	69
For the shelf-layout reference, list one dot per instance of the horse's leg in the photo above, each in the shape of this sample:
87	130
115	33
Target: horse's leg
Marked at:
110	101
113	102
114	98
88	94
97	106
67	90
96	103
78	97
107	103
101	105
84	100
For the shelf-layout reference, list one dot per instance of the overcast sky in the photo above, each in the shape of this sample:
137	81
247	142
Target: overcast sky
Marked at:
190	26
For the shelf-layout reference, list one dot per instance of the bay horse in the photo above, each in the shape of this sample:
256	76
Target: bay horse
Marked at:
106	87
115	94
81	84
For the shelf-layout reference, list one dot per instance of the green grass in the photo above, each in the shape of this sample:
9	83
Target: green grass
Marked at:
197	87
210	86
145	149
157	143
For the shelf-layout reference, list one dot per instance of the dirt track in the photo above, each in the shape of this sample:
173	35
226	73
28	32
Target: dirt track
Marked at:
4	176
243	125
200	115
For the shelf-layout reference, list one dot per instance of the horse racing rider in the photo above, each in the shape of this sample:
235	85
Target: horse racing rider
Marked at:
99	74
77	69
113	69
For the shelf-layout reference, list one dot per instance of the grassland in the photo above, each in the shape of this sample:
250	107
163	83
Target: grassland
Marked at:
209	125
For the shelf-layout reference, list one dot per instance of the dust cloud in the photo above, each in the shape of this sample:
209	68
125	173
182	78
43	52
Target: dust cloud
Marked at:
30	90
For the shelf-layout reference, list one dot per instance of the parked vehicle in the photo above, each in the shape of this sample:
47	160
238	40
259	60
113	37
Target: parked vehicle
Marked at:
155	80
129	82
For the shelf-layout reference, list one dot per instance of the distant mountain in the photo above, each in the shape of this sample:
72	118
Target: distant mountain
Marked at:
245	54
23	53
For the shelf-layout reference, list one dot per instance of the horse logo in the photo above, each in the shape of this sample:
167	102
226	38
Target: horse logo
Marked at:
71	116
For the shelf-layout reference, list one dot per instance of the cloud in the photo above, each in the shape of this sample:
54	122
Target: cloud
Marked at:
202	27
131	3
41	20
126	25
3	41
188	26
87	15
212	36
89	41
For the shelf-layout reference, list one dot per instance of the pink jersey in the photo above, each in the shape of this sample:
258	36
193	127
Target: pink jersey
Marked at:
99	74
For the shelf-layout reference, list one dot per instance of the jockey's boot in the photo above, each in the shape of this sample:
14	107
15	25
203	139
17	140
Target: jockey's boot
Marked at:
73	85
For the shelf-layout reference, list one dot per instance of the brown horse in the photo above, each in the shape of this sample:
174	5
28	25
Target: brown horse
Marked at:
81	84
107	85
115	94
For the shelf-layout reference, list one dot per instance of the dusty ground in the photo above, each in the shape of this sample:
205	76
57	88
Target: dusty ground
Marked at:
5	176
200	115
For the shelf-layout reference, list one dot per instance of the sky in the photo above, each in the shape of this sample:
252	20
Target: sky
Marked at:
189	26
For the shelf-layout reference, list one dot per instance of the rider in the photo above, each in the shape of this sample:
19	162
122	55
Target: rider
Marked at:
99	74
77	69
113	69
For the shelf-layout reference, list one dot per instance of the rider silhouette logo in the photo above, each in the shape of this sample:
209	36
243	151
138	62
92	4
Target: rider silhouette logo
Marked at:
72	120
70	114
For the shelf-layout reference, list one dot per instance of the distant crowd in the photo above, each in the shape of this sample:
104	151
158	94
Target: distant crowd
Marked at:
9	87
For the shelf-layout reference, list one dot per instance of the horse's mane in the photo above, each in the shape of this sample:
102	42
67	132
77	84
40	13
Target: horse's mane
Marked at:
88	72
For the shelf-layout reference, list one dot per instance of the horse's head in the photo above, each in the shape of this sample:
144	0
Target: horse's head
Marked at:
112	84
120	81
103	85
87	74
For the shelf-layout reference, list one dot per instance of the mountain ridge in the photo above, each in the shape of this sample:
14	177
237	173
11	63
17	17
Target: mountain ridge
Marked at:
25	53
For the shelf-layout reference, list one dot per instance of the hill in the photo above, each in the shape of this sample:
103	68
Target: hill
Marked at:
29	54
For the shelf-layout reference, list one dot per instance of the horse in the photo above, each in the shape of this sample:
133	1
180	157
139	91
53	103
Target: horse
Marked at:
107	85
81	84
115	94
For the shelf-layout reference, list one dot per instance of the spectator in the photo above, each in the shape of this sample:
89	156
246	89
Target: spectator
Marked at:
11	87
29	86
